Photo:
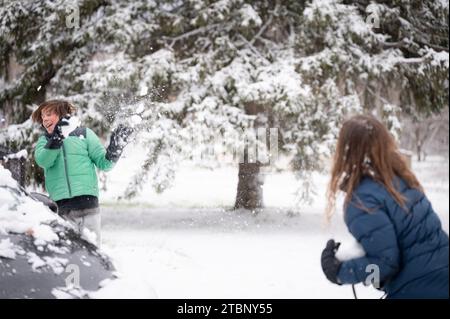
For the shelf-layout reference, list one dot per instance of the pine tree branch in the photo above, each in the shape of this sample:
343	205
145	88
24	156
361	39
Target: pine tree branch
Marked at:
252	48
135	185
422	38
410	60
191	33
266	25
402	44
433	46
399	44
382	99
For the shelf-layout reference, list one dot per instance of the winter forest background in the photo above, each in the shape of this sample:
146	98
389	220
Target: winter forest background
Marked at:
192	75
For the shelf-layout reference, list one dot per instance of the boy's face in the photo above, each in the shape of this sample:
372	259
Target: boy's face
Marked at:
49	119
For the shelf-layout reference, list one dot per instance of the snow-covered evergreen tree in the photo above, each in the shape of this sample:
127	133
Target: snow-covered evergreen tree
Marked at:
191	71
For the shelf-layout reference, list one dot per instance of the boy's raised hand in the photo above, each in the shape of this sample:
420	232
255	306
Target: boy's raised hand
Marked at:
123	133
119	139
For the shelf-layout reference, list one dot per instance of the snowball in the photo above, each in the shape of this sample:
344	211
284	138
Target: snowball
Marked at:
350	250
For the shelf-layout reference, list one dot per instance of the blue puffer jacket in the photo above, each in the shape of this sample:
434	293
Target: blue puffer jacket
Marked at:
410	248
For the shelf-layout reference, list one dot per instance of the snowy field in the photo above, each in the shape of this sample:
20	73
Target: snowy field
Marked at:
186	243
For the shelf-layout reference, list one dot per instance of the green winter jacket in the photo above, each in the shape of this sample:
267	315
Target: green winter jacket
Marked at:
70	170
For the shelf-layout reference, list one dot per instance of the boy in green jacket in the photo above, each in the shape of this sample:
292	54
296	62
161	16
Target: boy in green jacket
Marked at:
70	160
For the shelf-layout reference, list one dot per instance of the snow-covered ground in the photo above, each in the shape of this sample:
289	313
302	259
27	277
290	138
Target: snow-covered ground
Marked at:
186	243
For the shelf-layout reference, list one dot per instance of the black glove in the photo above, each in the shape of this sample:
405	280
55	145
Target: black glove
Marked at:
119	139
330	264
55	139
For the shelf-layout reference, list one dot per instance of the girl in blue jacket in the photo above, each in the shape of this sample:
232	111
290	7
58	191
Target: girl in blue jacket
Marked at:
388	213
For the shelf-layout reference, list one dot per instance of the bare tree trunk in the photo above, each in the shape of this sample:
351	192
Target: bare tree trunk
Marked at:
418	143
419	152
249	190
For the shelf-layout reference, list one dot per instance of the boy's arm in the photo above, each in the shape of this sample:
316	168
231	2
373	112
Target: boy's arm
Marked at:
97	152
44	156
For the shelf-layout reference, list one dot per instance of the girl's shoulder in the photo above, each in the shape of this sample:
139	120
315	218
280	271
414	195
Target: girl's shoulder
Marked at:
368	195
374	194
370	187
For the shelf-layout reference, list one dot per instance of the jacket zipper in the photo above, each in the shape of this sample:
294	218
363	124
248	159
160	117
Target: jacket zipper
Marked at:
65	170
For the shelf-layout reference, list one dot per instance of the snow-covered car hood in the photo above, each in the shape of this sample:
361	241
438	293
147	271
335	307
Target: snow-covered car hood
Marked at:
41	255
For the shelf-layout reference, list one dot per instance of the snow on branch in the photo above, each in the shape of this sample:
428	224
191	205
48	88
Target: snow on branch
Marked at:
192	33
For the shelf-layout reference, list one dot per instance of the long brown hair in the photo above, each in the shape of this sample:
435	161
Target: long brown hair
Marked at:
366	148
60	107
